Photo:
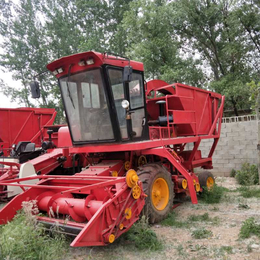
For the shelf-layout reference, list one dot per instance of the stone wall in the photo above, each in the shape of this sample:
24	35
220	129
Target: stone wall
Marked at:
237	144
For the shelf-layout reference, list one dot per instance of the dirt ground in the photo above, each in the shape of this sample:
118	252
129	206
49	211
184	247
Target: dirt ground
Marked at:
178	242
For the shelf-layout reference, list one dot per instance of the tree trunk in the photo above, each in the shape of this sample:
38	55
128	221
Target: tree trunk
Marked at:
257	107
234	106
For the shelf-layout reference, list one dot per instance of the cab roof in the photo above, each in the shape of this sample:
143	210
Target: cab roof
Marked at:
82	61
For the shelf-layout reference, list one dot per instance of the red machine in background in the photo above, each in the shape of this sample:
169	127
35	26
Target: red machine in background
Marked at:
24	124
129	149
25	134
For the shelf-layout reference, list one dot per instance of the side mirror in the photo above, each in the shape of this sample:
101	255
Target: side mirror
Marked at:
35	89
127	77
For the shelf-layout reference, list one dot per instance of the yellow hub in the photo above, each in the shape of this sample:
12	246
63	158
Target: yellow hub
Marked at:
128	213
111	238
127	165
197	187
210	182
121	226
184	184
131	178
142	160
160	194
114	173
136	192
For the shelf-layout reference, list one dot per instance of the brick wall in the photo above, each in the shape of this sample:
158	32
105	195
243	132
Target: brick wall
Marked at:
237	144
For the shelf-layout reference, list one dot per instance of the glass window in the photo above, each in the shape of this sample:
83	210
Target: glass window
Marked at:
85	94
86	106
136	91
116	79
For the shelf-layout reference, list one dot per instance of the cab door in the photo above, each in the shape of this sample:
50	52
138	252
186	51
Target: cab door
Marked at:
133	92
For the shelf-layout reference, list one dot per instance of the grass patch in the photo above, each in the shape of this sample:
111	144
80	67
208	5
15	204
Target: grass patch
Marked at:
243	206
201	233
248	175
212	195
23	238
249	227
203	218
249	192
142	236
172	221
228	249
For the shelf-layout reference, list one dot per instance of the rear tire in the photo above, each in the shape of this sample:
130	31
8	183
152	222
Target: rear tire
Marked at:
158	186
206	179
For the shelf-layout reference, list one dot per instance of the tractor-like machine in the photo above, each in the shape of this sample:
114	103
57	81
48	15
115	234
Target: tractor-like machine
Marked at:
125	149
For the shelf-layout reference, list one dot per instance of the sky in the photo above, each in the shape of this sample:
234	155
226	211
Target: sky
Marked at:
5	102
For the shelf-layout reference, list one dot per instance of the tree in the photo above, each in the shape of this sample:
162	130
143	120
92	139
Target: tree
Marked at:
211	27
25	52
150	40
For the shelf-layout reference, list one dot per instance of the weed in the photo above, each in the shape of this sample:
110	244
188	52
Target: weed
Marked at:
233	173
172	221
228	249
249	227
201	233
248	175
243	206
23	238
180	249
215	209
212	195
247	192
249	249
143	237
204	217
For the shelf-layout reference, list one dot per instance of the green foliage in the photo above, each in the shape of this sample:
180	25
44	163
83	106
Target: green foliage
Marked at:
172	221
201	233
203	217
247	192
24	239
249	227
143	237
248	175
232	173
228	249
150	40
212	195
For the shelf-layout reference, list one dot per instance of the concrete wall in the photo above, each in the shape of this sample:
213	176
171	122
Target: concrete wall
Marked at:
237	144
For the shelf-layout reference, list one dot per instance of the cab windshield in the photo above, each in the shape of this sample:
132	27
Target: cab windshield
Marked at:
86	106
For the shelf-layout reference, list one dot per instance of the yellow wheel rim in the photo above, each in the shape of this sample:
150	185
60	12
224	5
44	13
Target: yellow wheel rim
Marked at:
160	194
210	182
111	238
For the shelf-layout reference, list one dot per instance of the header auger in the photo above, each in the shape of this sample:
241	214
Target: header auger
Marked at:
124	151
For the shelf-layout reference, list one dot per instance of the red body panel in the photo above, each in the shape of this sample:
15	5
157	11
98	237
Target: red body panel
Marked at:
98	58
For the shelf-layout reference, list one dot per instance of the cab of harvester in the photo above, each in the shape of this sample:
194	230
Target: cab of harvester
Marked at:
103	96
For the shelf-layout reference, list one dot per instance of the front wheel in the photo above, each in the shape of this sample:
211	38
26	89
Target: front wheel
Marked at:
158	186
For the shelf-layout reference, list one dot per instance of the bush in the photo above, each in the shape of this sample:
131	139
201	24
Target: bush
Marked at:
143	237
24	238
248	175
247	192
249	227
233	173
212	195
